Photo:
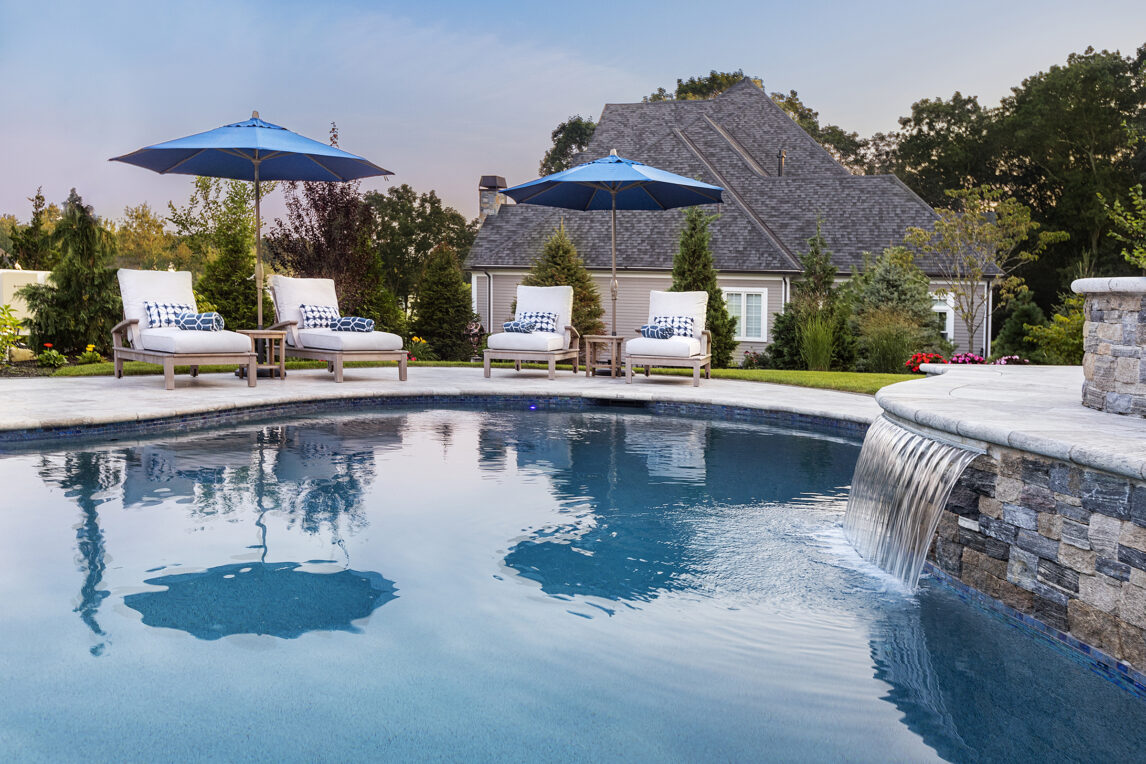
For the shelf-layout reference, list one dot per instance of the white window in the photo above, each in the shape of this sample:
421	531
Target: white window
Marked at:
944	310
750	309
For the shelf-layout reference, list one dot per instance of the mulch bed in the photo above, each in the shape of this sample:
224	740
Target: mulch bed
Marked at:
25	369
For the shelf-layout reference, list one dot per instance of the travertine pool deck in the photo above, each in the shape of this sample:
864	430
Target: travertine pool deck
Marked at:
1031	408
56	403
1036	409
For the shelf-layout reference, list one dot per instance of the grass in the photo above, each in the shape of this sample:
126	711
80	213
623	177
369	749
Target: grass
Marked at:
845	381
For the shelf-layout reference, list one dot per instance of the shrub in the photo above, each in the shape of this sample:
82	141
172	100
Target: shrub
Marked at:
417	349
9	332
1060	341
816	342
1013	333
560	265
693	271
755	360
967	358
919	359
443	310
1010	360
50	358
886	338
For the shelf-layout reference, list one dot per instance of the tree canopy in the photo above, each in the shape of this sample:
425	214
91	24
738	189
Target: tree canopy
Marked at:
569	139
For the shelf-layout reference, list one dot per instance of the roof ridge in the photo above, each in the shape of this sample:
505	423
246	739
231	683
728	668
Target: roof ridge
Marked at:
740	201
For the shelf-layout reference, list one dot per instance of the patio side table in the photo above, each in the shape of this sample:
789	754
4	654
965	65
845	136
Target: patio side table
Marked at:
275	341
594	343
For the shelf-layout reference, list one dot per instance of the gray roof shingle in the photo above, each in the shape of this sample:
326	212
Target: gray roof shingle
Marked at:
732	141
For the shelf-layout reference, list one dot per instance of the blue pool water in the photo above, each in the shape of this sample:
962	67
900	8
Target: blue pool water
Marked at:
523	586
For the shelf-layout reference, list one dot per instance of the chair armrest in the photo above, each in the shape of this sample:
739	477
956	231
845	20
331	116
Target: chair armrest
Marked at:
637	330
705	342
291	328
282	325
119	332
572	338
573	330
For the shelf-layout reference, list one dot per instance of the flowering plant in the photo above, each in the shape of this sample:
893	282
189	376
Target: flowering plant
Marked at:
967	358
1010	360
418	348
49	358
89	355
754	360
921	358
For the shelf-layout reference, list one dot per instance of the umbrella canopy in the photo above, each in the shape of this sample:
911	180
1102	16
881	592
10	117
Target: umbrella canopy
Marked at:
615	183
254	151
261	598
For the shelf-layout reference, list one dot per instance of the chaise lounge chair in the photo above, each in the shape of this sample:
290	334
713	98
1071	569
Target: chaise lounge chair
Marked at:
553	340
691	344
323	343
157	340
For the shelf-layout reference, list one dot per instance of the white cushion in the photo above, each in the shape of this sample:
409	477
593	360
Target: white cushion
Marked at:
136	287
290	293
693	304
557	299
328	339
541	341
171	339
677	347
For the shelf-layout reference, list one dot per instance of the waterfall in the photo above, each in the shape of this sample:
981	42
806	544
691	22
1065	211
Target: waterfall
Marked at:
901	483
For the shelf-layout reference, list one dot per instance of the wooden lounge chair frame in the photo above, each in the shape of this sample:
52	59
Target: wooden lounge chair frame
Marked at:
695	362
335	358
539	356
122	351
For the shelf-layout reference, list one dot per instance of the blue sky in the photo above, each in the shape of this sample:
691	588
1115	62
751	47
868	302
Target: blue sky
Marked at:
442	92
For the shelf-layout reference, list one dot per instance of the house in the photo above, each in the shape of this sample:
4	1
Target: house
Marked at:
778	182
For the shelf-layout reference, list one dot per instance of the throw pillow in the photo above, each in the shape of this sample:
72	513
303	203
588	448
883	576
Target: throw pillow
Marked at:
200	322
318	316
353	324
542	321
682	326
657	332
519	327
160	314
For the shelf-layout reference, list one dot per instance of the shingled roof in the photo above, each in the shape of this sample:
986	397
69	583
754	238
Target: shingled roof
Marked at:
731	140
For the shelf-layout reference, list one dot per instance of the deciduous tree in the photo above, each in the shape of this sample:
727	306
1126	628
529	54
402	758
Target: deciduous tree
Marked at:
569	139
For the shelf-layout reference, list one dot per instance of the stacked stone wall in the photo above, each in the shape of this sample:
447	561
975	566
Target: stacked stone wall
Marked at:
1062	543
1114	337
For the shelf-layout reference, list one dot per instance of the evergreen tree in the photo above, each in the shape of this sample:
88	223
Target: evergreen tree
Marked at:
693	271
32	244
560	265
80	303
218	224
1013	333
443	311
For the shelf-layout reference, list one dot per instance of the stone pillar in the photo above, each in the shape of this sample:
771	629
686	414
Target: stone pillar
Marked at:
1114	341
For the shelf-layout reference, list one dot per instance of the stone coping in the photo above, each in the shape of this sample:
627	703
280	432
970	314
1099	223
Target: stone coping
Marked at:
1030	408
1114	285
44	408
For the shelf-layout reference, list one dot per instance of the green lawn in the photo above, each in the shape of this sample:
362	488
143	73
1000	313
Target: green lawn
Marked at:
847	381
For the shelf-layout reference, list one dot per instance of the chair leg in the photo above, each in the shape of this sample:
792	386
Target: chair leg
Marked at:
194	371
552	367
338	369
118	367
252	371
575	364
402	368
517	365
485	365
647	369
169	373
696	375
629	373
708	371
330	366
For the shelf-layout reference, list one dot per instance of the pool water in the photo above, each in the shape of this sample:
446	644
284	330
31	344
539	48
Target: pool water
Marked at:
505	585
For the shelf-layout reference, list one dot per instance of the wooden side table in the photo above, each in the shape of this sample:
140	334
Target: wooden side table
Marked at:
275	340
594	343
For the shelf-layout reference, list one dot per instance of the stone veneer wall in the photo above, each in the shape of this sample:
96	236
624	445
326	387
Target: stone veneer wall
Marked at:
1114	337
1062	543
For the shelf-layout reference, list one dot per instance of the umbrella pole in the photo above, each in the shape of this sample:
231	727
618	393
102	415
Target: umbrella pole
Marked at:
258	248
613	286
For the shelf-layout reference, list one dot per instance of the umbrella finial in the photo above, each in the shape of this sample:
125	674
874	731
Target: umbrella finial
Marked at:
612	152
254	115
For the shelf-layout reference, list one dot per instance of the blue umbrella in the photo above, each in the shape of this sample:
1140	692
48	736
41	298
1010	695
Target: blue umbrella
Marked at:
615	183
253	150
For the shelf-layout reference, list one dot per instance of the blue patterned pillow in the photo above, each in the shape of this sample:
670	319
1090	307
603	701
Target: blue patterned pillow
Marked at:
353	324
318	316
161	314
542	321
519	327
682	326
200	322
657	332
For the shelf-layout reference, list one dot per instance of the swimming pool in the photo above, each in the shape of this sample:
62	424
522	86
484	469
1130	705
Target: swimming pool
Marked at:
524	585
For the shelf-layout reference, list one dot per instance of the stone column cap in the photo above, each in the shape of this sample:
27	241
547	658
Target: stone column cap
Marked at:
1115	285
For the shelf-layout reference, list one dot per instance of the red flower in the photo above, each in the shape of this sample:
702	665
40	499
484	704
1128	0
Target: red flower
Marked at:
47	344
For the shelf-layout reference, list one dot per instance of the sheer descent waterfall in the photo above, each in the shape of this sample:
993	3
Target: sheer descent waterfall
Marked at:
901	483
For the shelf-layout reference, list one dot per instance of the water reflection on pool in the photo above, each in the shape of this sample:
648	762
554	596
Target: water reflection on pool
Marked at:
501	585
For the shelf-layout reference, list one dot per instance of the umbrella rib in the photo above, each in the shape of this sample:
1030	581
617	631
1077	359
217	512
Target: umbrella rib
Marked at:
181	162
337	177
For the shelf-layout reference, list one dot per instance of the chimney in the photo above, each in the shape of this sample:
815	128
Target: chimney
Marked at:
781	155
489	196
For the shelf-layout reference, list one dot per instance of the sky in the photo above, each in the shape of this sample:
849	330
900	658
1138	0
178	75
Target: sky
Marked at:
444	92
